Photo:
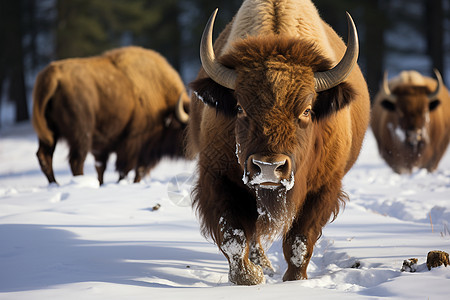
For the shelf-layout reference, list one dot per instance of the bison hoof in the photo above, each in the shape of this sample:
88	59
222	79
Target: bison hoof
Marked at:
250	274
294	275
436	259
260	259
268	269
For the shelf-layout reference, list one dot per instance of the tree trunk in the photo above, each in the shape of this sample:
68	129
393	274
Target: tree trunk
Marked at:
17	88
17	92
14	53
435	33
374	46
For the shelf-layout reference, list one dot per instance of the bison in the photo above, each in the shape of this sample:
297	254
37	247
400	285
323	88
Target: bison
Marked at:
278	115
411	121
123	101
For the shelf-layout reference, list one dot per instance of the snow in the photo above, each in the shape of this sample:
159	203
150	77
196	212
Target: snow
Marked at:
298	252
79	240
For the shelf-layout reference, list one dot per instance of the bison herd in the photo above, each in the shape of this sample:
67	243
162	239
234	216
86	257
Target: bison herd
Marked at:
276	118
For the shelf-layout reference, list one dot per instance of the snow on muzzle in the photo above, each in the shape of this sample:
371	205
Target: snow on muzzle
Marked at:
269	171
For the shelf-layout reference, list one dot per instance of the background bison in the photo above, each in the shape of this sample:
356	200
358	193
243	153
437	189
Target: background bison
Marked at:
411	121
277	118
123	101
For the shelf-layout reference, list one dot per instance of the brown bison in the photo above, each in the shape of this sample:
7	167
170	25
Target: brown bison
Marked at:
278	117
123	101
411	121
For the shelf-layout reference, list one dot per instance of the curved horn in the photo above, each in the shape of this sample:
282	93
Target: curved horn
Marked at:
385	88
331	78
218	72
180	113
440	83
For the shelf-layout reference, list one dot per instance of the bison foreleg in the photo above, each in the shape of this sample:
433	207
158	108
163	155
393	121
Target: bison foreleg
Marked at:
100	165
297	252
258	257
298	243
142	171
235	247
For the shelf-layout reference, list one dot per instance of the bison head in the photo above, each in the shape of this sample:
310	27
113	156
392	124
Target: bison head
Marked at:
409	106
277	89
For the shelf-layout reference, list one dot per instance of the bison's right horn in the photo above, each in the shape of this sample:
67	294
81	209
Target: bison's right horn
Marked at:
385	88
331	78
440	83
180	113
218	72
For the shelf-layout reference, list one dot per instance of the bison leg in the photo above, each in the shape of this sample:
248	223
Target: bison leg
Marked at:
79	148
298	243
45	157
100	165
127	154
258	257
76	159
123	167
297	250
234	246
141	172
146	163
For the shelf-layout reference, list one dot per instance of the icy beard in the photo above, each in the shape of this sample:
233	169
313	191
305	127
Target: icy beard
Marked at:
275	212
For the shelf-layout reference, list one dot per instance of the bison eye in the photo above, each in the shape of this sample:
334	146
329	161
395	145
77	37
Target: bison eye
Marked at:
240	110
306	113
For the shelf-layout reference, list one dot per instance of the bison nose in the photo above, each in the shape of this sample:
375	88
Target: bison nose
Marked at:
269	170
414	137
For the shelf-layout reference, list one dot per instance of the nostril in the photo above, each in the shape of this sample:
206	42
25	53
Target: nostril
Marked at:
282	167
255	168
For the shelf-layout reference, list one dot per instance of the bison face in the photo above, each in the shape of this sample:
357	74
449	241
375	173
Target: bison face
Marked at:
275	88
409	116
275	106
409	108
273	123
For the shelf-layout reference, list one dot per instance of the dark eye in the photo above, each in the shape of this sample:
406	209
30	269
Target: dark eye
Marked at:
240	110
307	112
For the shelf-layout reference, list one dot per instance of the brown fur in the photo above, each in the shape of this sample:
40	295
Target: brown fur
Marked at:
274	86
410	113
122	101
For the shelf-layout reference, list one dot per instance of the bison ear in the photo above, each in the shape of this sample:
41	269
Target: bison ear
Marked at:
388	105
215	95
332	100
434	104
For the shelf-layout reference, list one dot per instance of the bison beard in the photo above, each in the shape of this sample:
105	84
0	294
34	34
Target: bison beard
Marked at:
275	213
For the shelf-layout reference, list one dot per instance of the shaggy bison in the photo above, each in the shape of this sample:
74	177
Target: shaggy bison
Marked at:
278	117
123	101
411	121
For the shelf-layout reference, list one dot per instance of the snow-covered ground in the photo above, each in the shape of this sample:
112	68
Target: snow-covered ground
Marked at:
81	241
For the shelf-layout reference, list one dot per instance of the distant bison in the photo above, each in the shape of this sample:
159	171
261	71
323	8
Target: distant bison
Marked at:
123	101
278	115
411	121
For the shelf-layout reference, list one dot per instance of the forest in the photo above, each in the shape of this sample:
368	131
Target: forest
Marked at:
394	35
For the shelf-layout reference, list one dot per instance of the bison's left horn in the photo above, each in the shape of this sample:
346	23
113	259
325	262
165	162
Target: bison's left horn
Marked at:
218	72
440	83
331	78
385	88
180	113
